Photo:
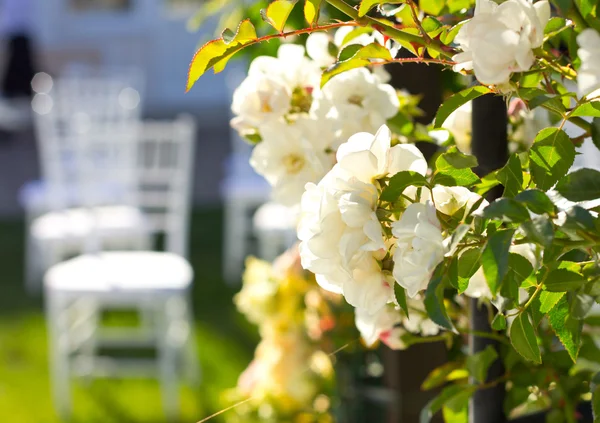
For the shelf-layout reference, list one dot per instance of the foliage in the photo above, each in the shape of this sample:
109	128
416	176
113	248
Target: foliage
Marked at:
531	256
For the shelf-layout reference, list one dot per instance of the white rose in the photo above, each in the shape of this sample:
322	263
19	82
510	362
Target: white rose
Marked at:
450	200
341	237
588	77
419	248
417	321
258	100
500	38
459	124
355	101
288	159
378	325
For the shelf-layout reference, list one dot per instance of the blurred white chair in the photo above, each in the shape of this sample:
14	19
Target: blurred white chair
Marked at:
243	191
72	114
155	283
275	229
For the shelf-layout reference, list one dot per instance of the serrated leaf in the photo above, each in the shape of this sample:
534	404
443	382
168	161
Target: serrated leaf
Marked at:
562	280
507	210
366	5
400	293
550	156
511	176
549	299
399	182
361	58
434	300
479	363
277	13
457	100
432	7
312	9
537	201
567	329
539	230
519	270
581	185
453	168
523	338
488	182
216	53
495	258
591	108
431	24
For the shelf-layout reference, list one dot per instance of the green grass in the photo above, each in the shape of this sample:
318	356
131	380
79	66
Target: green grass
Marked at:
225	344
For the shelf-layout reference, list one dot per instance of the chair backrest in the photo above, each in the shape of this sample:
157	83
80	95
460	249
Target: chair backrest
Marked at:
86	128
165	153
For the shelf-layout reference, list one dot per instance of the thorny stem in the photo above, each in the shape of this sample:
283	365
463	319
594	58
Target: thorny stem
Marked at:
413	11
386	29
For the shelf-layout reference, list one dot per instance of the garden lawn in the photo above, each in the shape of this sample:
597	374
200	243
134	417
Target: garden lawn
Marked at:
225	344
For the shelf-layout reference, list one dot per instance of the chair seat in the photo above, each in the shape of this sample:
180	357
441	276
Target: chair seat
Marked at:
78	223
133	272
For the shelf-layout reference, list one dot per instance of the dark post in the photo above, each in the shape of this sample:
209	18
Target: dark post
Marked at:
489	144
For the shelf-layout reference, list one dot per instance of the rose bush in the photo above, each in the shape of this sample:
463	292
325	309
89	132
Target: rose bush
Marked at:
409	242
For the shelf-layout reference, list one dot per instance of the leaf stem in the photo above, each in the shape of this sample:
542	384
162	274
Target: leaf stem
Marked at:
389	30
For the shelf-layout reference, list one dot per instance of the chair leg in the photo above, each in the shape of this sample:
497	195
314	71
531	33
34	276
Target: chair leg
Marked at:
167	366
58	338
236	235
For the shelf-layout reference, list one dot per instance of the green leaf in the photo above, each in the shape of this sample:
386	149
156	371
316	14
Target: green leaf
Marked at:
595	389
519	270
452	168
468	264
495	258
581	304
448	394
579	218
488	182
596	132
511	176
581	185
456	409
432	7
431	24
562	280
216	53
312	9
457	236
549	299
457	100
554	24
479	363
499	322
551	156
591	108
366	5
539	230
537	201
399	182
361	58
523	338
451	370
567	329
434	300
277	13
507	210
400	293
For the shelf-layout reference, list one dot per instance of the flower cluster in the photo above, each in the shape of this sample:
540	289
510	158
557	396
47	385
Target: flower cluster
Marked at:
290	376
298	126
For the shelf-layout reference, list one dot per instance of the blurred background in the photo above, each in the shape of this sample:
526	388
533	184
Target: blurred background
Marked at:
108	67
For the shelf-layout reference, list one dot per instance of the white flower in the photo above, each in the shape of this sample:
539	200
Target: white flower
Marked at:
342	239
588	77
417	321
450	200
288	159
378	325
459	124
355	101
256	300
420	247
259	99
500	38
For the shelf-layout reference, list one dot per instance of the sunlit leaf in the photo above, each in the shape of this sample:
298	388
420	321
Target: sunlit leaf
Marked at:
567	329
551	156
277	13
366	5
399	182
360	59
312	9
479	363
511	176
495	257
217	52
457	100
